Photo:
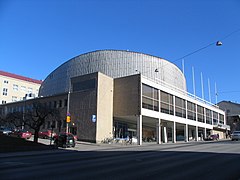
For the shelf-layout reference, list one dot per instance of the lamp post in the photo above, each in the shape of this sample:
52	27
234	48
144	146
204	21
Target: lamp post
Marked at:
68	118
24	110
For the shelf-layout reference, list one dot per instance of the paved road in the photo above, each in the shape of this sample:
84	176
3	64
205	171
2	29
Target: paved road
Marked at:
198	160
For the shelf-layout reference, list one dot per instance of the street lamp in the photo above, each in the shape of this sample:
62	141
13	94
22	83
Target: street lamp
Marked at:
218	43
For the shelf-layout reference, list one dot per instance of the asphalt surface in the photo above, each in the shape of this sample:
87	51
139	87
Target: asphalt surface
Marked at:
193	160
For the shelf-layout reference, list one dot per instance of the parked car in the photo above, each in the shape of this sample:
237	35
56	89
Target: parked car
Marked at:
46	134
22	134
235	135
212	137
5	131
64	140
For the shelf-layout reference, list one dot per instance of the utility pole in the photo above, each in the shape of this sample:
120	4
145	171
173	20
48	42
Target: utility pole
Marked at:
68	118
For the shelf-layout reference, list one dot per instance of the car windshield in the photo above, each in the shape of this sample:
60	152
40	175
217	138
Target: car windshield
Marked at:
23	130
236	132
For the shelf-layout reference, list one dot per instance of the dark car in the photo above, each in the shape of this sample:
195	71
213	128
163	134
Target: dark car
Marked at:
64	140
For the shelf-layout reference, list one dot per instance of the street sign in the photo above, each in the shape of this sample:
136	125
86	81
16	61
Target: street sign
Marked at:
68	119
94	118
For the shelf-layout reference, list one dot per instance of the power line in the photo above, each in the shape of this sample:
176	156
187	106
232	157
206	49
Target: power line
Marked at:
194	52
218	43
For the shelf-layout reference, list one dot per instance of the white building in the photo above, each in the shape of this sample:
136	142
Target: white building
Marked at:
15	87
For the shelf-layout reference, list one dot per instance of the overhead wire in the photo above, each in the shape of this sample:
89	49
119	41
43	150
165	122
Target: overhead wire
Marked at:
216	43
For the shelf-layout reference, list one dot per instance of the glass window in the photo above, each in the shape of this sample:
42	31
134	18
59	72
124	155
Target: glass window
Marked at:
155	105
191	111
208	116
84	85
200	113
147	103
156	94
15	87
150	98
60	103
30	90
221	118
166	103
23	88
5	91
65	102
14	98
180	107
215	118
147	91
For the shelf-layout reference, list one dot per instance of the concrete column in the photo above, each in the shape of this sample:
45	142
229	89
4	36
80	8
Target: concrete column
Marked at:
165	134
186	132
196	112
205	116
158	131
174	104
205	133
186	109
174	132
196	133
139	130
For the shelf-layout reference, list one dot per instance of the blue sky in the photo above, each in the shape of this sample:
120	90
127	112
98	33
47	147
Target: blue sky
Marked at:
38	36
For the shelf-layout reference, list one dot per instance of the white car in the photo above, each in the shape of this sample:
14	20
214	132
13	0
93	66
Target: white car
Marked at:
5	131
236	135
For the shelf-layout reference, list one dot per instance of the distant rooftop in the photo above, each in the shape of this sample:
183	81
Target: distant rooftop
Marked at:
15	76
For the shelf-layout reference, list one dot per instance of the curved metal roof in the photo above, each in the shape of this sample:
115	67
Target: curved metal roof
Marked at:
113	63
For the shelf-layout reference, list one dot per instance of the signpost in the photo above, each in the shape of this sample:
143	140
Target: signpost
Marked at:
68	120
94	118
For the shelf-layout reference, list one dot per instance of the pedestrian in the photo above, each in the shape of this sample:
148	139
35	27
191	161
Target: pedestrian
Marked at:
130	138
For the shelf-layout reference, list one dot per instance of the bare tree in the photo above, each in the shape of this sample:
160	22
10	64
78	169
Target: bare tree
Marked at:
36	117
15	119
33	117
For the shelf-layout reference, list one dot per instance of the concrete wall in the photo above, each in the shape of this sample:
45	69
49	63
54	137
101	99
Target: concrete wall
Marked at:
93	102
104	108
83	104
127	98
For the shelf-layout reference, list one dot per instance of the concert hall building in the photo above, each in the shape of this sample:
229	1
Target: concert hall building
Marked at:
120	94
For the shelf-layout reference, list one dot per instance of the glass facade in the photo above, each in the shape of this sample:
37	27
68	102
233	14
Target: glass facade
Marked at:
215	118
177	106
221	119
166	103
180	107
208	116
150	98
191	111
84	85
200	114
